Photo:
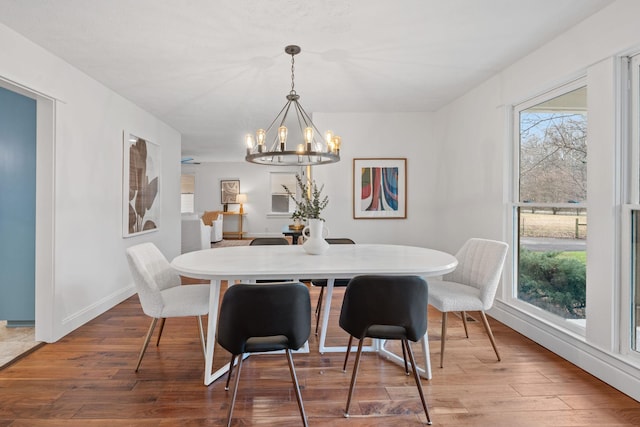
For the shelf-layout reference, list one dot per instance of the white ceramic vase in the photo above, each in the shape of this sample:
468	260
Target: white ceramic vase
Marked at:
314	243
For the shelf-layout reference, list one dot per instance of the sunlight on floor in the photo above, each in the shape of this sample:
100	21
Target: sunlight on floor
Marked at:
14	342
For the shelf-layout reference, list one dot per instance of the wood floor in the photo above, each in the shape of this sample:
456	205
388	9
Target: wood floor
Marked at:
88	379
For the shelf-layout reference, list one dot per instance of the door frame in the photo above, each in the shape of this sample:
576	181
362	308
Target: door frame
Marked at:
45	208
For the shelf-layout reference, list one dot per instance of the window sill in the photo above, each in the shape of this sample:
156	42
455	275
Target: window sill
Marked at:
278	214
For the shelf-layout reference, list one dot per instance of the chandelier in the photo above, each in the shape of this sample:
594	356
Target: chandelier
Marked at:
310	149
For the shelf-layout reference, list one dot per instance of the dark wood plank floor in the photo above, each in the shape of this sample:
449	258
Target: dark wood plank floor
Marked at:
88	379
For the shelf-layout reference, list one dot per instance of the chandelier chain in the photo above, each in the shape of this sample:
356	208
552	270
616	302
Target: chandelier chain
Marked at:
292	74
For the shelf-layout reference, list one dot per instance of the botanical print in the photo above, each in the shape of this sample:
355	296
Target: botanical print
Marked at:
142	210
379	188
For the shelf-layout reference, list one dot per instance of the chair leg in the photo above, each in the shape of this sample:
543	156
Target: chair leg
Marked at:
404	356
233	359
202	341
346	356
235	391
296	387
464	322
353	378
146	341
443	337
485	322
417	378
319	308
160	331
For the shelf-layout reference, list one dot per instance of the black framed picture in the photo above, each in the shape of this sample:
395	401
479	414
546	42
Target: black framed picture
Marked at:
229	190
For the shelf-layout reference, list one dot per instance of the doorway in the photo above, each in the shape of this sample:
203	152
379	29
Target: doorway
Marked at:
40	214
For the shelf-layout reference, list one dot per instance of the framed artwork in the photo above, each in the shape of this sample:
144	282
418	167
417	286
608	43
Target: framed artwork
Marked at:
229	190
140	185
380	188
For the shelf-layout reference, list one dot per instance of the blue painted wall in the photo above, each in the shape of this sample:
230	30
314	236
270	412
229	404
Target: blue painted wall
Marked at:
17	207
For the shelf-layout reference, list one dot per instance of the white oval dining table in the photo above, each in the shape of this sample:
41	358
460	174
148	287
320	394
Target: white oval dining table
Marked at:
273	262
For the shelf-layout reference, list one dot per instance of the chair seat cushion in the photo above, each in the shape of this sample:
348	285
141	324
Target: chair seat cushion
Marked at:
388	332
185	300
272	343
453	296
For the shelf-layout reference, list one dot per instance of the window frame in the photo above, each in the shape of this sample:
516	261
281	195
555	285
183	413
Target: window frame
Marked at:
271	212
515	204
630	127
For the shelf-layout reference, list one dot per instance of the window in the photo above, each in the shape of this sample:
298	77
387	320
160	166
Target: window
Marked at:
281	203
550	205
631	295
187	187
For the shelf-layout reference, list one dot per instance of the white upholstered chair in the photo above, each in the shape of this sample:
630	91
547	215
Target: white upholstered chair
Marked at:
216	229
471	286
195	234
214	220
161	293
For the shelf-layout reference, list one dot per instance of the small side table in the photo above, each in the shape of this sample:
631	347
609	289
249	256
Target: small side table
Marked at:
233	234
293	233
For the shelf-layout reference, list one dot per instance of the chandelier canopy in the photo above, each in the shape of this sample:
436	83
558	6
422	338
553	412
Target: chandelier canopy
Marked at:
310	148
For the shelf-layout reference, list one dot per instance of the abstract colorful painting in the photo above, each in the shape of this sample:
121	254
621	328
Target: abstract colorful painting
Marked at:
379	189
141	185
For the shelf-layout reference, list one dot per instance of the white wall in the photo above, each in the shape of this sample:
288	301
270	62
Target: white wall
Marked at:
254	182
81	267
364	135
475	141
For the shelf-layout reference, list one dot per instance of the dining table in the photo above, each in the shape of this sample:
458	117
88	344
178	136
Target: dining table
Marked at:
247	264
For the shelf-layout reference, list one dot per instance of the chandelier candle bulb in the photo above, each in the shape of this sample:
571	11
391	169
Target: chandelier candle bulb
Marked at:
260	137
337	141
308	137
328	136
249	141
282	135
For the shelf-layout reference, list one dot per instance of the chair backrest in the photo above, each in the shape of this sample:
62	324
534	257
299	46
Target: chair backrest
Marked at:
480	263
385	301
151	273
267	310
269	241
339	241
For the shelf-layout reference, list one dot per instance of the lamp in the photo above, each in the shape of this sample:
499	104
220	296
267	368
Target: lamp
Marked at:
241	198
311	150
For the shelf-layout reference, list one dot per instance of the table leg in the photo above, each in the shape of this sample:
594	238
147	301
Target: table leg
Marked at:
392	357
328	293
212	324
325	323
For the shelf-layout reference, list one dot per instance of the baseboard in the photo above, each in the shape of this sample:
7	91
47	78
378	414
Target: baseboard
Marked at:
79	318
608	367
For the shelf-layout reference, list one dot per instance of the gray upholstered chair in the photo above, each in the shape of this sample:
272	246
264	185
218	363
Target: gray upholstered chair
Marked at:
322	283
161	293
471	286
267	241
385	307
264	318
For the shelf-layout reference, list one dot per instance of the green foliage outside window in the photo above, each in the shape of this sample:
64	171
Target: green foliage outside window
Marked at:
553	282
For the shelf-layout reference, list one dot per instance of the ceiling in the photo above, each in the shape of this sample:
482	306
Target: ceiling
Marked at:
215	70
